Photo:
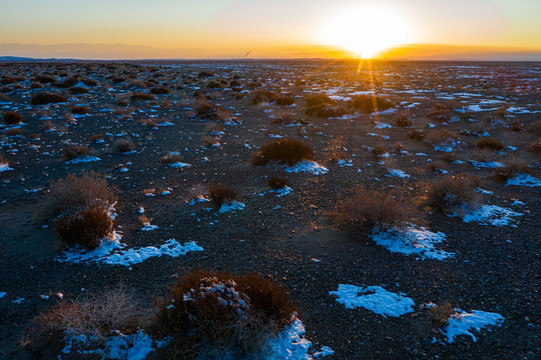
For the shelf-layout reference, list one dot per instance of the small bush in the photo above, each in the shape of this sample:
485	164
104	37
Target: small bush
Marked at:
378	150
159	90
96	137
403	121
141	97
489	143
288	151
511	169
171	159
77	90
45	79
440	114
441	136
534	147
47	98
79	191
79	110
453	193
439	314
284	100
213	85
208	140
215	314
325	111
208	111
319	99
14	132
436	166
372	208
86	227
416	134
535	128
93	315
74	151
12	118
277	182
370	103
124	145
220	194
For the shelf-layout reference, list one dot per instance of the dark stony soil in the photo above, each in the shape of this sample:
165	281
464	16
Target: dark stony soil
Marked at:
495	269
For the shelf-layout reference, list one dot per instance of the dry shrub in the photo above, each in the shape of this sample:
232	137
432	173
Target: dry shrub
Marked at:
370	103
277	182
77	90
208	140
74	151
218	314
284	100
325	111
441	136
160	90
318	99
213	85
489	143
378	150
453	193
94	138
141	97
79	110
47	125
14	132
369	208
288	151
45	79
47	98
5	98
535	128
171	159
416	134
512	168
76	192
220	194
86	227
94	315
436	166
439	314
282	118
403	120
208	111
259	96
150	123
534	147
213	128
440	114
124	145
12	118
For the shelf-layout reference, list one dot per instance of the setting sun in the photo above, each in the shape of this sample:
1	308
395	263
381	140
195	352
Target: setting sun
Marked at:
366	30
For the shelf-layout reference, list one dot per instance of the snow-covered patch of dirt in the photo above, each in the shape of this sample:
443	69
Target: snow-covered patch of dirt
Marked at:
179	165
413	241
308	166
398	173
463	322
83	159
492	215
522	180
375	299
231	206
110	252
5	167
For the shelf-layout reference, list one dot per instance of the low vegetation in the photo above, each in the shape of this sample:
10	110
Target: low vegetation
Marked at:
285	151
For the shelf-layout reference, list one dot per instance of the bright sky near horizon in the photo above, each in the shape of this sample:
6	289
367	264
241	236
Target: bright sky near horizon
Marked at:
254	23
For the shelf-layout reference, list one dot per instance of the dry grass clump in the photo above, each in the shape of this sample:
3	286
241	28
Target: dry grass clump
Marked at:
208	140
441	136
171	159
378	150
214	315
86	227
141	97
79	110
453	193
325	111
489	143
277	182
282	118
214	128
534	147
12	118
436	166
535	128
512	168
74	151
259	96
219	194
440	112
45	79
5	98
75	192
403	120
288	151
370	208
284	100
14	132
77	90
149	123
439	314
416	134
47	98
370	103
124	145
95	315
96	138
208	111
160	90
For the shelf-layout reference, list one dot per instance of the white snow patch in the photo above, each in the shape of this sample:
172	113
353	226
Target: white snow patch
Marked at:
149	227
414	240
282	191
374	298
463	322
198	199
344	163
308	166
488	164
179	165
2	294
4	167
398	173
524	180
493	215
231	206
83	159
